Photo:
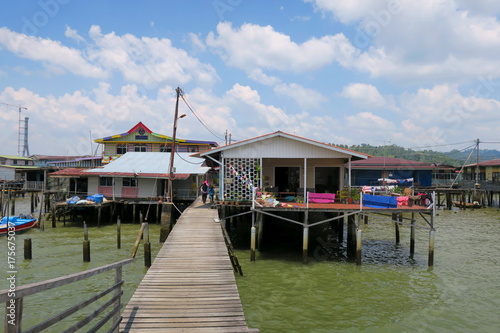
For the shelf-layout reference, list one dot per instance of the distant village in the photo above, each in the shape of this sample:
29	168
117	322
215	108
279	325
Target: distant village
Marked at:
135	164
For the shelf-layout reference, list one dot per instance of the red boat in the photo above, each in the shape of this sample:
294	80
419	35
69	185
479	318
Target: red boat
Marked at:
17	224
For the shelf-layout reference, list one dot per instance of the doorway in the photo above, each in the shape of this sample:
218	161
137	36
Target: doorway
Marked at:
327	179
287	179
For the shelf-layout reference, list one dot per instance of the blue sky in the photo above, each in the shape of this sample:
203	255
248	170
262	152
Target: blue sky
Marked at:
413	73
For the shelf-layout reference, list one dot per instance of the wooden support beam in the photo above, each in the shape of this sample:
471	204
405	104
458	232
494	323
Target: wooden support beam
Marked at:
412	235
431	248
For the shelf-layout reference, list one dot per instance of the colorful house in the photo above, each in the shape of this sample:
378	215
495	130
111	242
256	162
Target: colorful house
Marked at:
141	139
282	163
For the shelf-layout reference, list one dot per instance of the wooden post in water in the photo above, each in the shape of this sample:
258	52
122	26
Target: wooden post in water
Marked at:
118	233
431	247
305	237
99	214
27	249
412	235
341	228
147	246
134	212
13	204
138	240
260	230
358	241
32	202
252	244
53	216
166	218
396	226
351	237
86	243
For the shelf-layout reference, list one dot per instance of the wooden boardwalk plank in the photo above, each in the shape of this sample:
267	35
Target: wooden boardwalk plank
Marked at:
190	287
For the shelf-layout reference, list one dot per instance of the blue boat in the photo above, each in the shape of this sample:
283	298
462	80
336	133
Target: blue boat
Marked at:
17	223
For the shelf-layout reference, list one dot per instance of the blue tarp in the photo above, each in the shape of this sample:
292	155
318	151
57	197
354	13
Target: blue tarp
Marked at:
379	201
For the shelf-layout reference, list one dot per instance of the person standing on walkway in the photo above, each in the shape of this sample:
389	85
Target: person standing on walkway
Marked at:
204	191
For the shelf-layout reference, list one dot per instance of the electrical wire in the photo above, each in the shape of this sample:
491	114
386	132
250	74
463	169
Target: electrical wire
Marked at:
177	153
199	119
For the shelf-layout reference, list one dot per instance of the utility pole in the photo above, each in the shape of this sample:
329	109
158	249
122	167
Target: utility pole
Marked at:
477	163
171	175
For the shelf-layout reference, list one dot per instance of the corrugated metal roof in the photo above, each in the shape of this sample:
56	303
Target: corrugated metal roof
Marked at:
279	134
147	164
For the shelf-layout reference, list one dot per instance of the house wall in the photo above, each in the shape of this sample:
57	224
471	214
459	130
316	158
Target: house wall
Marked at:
7	173
279	147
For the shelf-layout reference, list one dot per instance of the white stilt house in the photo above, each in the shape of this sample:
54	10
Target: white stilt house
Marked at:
282	163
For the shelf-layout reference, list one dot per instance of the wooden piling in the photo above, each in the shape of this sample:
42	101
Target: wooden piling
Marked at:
252	244
138	240
305	237
431	248
260	230
27	249
147	246
166	219
86	243
358	246
396	227
99	215
32	202
118	233
412	235
53	216
12	204
351	237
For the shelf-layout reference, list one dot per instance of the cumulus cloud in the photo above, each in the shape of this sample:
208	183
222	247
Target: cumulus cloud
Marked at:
391	33
50	53
306	98
364	95
149	62
253	47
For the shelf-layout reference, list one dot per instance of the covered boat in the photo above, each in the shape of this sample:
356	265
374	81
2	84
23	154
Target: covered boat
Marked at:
17	223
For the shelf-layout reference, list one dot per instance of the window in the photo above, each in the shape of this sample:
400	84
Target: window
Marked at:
165	148
129	182
106	181
194	149
140	147
14	162
121	149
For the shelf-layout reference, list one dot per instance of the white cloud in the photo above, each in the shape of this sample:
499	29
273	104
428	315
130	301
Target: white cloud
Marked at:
364	95
261	47
148	61
306	98
426	40
73	34
50	53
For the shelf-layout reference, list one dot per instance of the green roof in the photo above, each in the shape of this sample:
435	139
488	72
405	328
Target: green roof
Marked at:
15	157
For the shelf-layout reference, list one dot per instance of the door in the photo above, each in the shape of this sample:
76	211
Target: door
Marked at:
327	179
287	179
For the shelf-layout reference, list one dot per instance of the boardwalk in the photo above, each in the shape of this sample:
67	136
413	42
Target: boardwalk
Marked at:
190	287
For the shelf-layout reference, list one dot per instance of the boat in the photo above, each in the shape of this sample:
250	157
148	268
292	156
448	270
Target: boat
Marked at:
17	223
461	204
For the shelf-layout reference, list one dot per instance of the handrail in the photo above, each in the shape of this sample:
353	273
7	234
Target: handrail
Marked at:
14	298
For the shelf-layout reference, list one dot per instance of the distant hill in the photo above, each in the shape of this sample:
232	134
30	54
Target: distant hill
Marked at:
454	157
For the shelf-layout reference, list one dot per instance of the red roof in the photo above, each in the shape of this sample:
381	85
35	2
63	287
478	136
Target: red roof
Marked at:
74	172
495	162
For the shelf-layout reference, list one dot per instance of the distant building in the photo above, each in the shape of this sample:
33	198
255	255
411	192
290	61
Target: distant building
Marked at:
488	171
17	168
59	162
141	139
138	176
374	170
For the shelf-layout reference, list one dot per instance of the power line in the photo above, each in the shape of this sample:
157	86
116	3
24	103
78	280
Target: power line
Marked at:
199	119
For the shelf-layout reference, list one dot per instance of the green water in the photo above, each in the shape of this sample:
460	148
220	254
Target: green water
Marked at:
59	251
389	293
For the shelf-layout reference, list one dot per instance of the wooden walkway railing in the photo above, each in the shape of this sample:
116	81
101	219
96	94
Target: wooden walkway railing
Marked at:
190	287
14	300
